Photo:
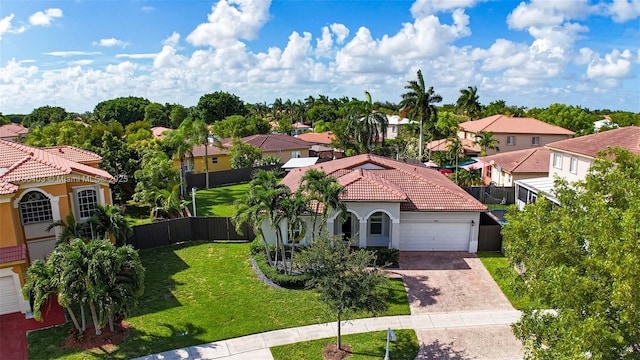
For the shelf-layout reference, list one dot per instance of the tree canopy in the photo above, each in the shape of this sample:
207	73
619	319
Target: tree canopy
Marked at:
124	110
240	126
217	106
581	259
242	155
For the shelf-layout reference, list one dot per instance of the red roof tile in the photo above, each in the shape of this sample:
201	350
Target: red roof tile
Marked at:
375	178
72	153
13	253
442	144
320	138
157	131
12	130
522	161
589	145
501	124
275	142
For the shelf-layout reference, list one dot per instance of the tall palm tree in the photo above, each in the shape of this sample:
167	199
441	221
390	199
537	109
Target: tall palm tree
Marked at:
323	192
367	125
181	142
485	140
110	221
467	104
200	135
418	103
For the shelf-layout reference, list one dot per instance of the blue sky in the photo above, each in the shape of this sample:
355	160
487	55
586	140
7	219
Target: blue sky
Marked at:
75	54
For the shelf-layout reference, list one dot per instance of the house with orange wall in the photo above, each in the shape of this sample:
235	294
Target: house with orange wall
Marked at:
37	187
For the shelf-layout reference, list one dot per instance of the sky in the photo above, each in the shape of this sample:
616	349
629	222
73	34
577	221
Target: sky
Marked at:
534	53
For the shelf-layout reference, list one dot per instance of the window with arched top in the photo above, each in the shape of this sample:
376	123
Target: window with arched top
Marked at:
35	207
87	201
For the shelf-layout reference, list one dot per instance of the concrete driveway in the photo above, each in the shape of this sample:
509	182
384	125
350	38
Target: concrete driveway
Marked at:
448	281
456	282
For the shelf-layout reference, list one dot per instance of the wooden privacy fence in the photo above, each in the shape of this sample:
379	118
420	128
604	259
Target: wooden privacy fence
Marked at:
225	177
173	231
492	194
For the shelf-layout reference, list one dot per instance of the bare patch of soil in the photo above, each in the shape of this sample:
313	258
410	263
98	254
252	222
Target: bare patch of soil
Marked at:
107	342
331	352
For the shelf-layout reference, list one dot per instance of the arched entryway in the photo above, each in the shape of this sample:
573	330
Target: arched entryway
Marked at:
348	226
379	230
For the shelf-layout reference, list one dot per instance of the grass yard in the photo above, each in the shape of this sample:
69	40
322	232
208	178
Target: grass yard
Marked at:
505	276
363	346
219	201
201	292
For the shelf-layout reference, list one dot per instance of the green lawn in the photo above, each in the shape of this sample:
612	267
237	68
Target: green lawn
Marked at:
137	215
219	201
506	276
363	346
201	292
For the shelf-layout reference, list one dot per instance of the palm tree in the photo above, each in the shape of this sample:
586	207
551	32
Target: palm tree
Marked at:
367	125
485	140
454	150
181	142
110	221
467	104
70	229
200	135
419	102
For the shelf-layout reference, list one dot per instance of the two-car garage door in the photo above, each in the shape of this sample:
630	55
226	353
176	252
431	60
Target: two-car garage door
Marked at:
417	235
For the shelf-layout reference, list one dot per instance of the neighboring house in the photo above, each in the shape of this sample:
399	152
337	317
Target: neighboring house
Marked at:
324	138
322	147
300	128
396	205
504	168
13	131
469	147
158	132
37	187
571	160
299	163
395	125
280	146
514	133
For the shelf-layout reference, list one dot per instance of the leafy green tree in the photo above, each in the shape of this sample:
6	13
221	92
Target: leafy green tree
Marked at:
581	260
367	125
155	114
467	104
499	107
71	229
3	119
138	130
181	142
625	118
168	204
322	112
485	140
178	114
45	115
418	103
66	132
284	127
447	124
321	126
240	126
155	172
347	281
242	155
217	106
124	110
465	177
109	221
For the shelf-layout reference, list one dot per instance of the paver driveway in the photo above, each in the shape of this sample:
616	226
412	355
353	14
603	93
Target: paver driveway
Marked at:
448	281
453	282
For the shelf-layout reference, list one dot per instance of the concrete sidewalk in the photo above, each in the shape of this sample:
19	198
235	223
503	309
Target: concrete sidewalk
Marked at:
257	346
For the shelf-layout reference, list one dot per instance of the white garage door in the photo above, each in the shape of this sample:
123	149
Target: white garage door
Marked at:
432	236
8	296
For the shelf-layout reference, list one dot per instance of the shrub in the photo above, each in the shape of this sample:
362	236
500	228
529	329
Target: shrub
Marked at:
286	281
386	256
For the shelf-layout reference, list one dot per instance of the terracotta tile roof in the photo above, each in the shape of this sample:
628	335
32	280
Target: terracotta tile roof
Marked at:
157	131
275	142
212	149
21	163
374	178
300	126
12	130
589	145
7	188
441	145
13	253
320	138
72	153
522	161
501	124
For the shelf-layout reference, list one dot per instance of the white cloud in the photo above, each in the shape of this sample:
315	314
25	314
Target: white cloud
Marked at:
231	21
44	18
136	56
172	40
548	13
72	53
624	10
422	8
111	42
83	62
147	8
609	70
340	31
7	28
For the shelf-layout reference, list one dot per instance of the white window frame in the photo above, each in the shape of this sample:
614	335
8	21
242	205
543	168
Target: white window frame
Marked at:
513	140
535	140
76	200
573	165
35	211
295	154
214	160
376	219
557	160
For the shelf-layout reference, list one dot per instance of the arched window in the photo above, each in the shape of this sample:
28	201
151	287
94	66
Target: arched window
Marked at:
35	207
87	201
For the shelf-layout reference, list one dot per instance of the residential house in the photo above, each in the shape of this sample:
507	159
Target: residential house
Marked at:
504	168
322	145
469	147
395	125
300	128
396	205
280	146
514	133
158	132
13	131
571	160
37	187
